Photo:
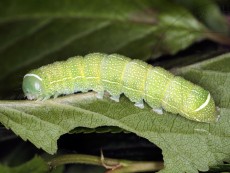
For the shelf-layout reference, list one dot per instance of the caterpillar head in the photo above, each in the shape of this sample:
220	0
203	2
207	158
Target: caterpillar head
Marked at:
32	86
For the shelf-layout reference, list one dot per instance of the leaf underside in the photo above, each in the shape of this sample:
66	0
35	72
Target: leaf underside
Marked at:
33	35
188	144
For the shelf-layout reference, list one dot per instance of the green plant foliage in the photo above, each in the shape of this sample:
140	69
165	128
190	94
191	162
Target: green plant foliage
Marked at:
207	12
35	33
189	145
36	165
222	168
101	129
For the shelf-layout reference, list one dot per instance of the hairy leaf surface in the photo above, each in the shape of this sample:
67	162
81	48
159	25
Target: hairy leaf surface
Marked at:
190	145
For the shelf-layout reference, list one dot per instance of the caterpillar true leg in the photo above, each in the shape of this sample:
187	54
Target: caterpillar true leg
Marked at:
158	110
42	98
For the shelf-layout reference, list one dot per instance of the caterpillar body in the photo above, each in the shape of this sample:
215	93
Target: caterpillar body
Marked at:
118	74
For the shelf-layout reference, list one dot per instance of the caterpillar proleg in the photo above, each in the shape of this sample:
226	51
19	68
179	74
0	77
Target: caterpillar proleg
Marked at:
118	74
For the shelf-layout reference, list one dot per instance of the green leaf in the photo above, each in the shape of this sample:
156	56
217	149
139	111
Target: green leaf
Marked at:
187	146
208	12
36	165
35	33
221	168
104	129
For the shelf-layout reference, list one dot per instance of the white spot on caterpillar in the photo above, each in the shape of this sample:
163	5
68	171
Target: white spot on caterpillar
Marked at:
34	75
204	104
37	86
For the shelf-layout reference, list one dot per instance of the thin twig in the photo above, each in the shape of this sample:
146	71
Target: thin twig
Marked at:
114	165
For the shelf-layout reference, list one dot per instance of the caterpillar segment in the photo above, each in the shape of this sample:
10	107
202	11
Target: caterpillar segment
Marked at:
118	74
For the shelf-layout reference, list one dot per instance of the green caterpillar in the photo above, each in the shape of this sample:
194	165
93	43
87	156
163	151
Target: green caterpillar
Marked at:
118	74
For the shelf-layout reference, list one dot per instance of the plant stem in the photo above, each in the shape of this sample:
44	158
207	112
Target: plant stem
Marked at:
139	167
218	37
115	165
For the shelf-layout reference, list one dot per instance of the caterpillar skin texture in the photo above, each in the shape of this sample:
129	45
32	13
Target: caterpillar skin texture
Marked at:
118	74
